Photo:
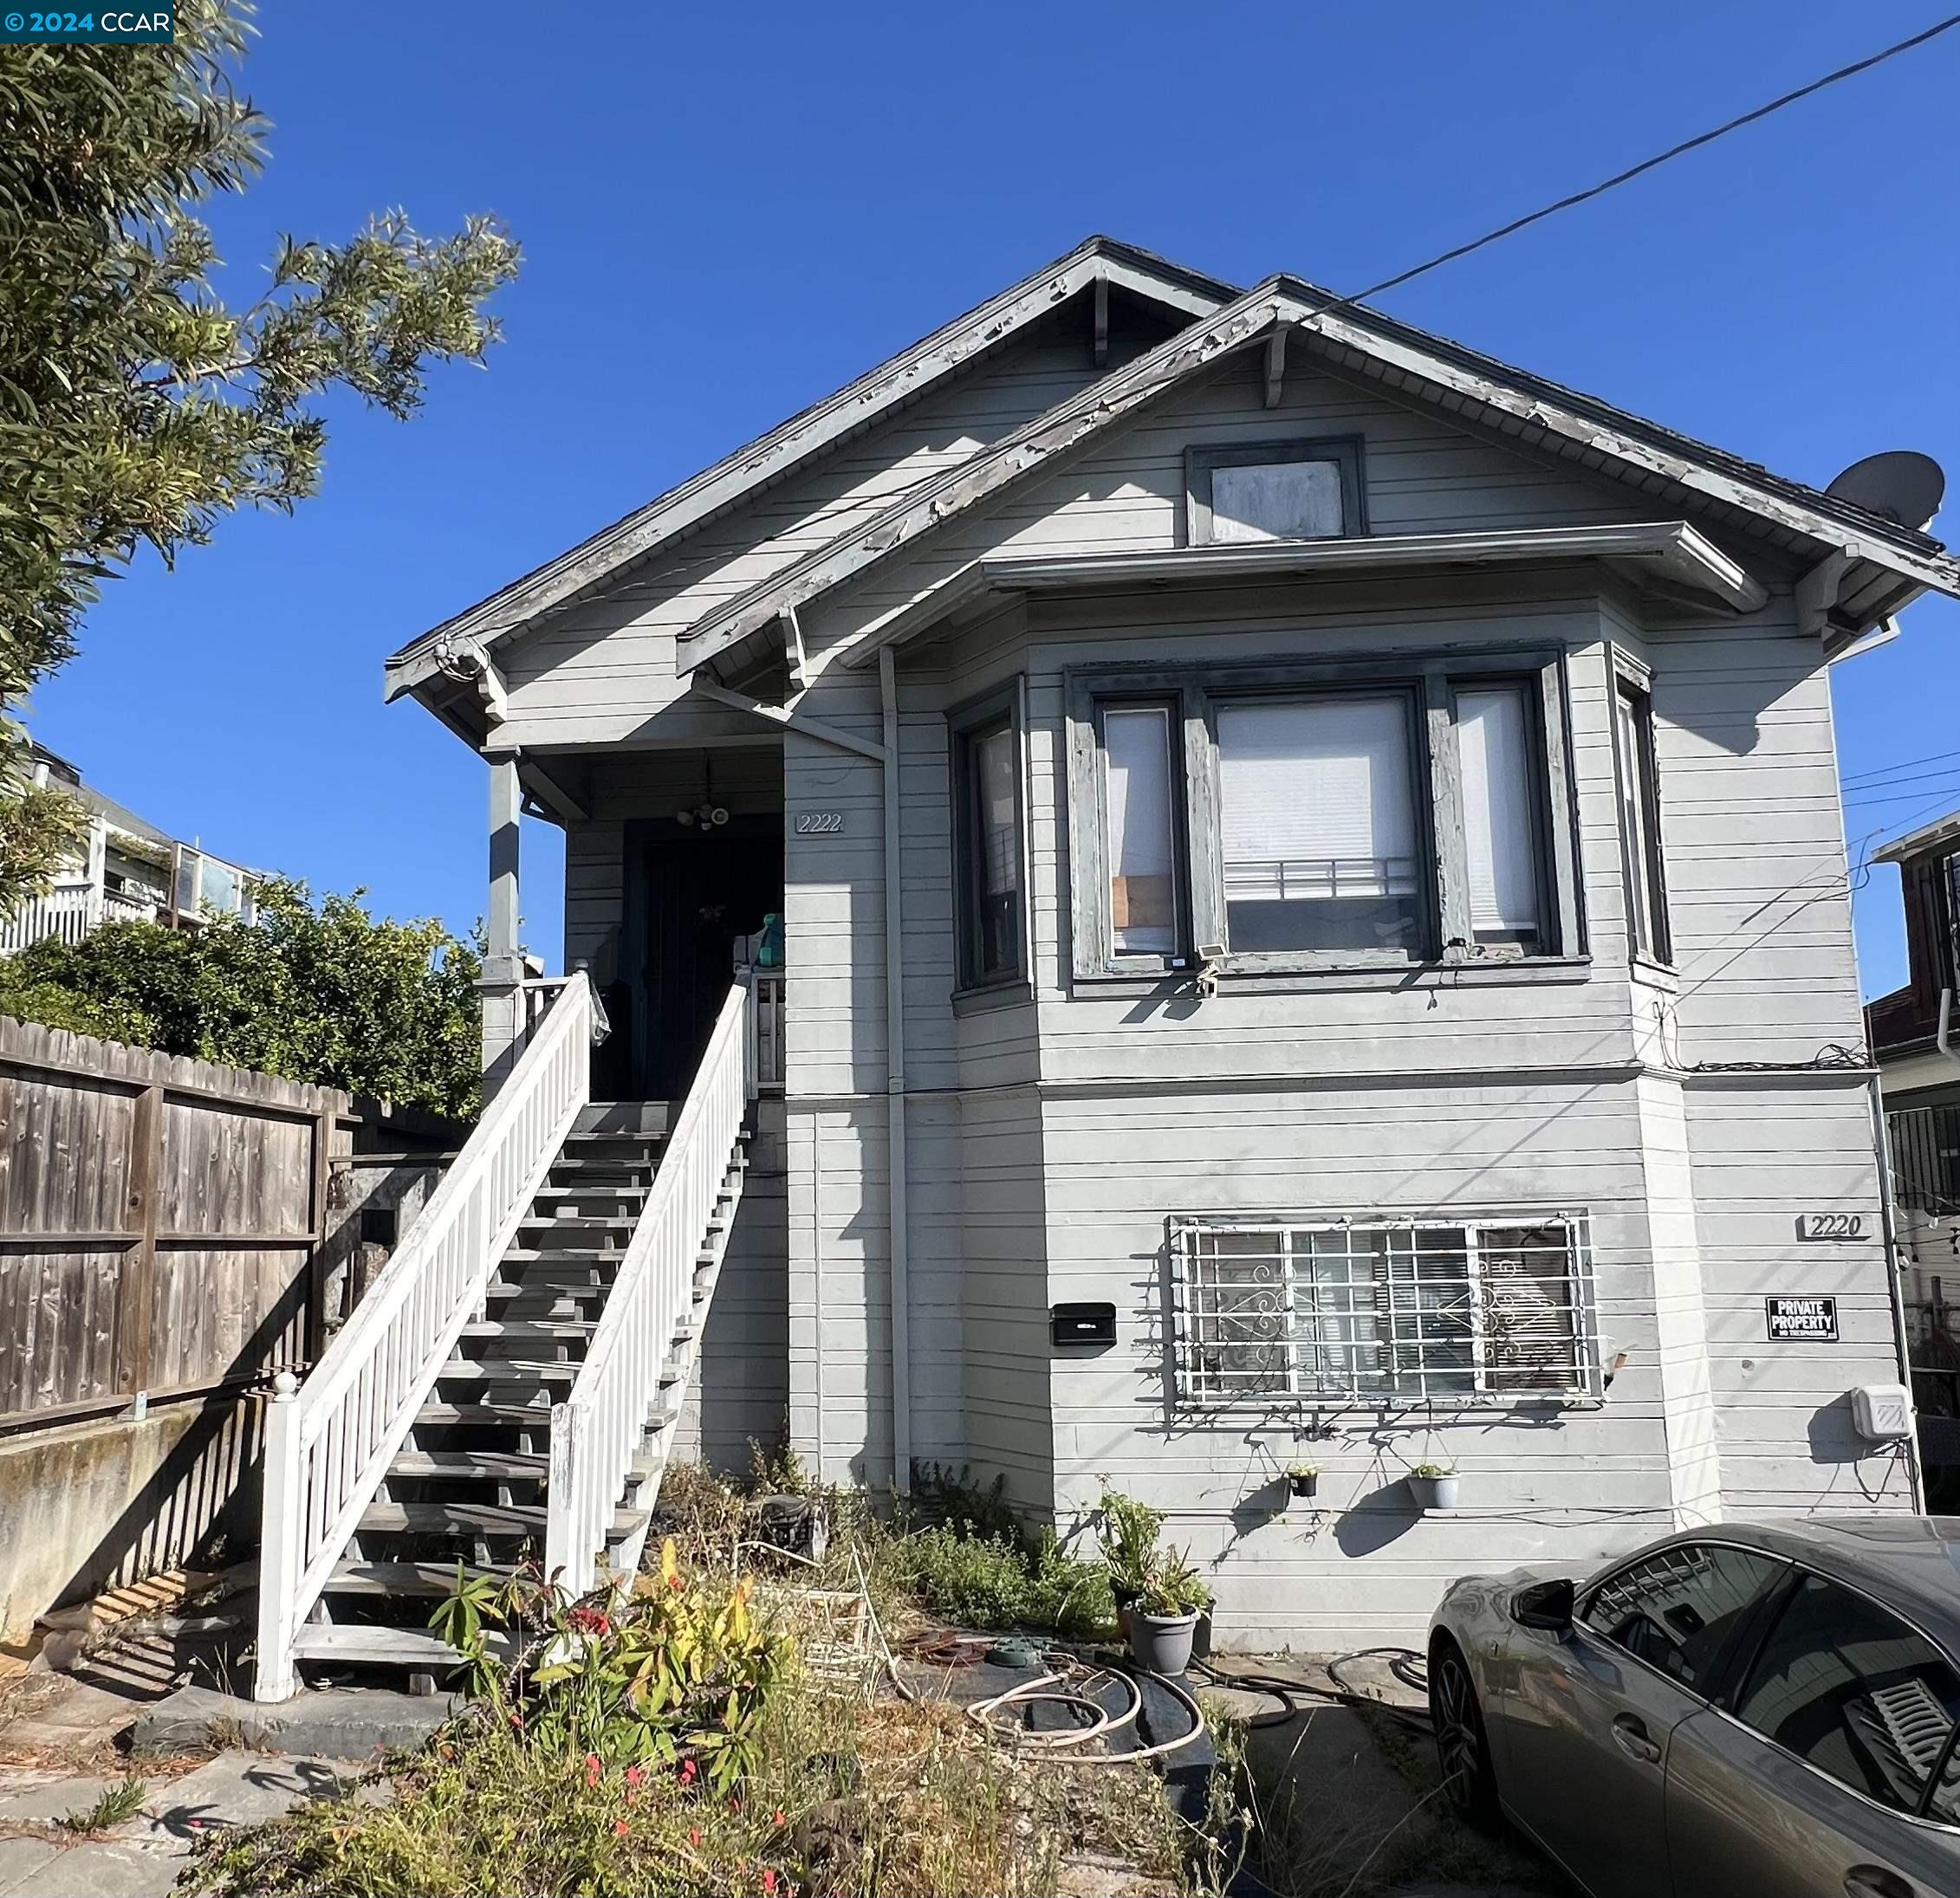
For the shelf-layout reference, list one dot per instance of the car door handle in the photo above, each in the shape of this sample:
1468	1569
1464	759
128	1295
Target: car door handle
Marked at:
1875	1881
1632	1739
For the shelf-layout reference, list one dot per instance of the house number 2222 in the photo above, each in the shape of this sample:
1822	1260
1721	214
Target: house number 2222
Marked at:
818	823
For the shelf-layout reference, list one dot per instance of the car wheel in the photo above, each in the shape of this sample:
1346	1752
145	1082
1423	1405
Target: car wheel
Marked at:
1463	1748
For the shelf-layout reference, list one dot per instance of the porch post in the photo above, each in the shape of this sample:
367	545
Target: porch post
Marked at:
502	983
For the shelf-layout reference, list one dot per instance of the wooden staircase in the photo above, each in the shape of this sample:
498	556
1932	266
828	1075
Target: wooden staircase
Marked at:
471	1480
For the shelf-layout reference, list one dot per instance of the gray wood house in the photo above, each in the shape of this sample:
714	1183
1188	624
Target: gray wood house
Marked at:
1288	878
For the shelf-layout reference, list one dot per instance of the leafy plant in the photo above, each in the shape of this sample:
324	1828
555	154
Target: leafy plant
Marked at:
678	1673
1127	1530
1429	1472
1302	1471
998	1581
323	993
137	408
1174	1587
117	1803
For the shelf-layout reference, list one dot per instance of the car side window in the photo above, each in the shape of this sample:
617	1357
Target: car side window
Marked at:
1675	1609
1850	1687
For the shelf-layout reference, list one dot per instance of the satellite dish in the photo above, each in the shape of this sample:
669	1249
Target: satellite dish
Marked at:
1902	485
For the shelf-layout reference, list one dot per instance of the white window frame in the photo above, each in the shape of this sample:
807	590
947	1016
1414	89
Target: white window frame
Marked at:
1204	1311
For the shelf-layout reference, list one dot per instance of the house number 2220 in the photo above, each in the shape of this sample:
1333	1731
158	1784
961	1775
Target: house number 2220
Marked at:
818	823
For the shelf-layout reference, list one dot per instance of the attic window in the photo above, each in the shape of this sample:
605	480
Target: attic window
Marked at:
1299	491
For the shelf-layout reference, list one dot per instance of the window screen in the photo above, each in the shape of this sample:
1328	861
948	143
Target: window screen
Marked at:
1678	1608
1500	828
1141	844
1276	500
1317	826
1854	1691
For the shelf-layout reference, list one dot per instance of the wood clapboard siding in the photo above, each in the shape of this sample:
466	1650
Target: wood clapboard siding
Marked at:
602	670
1053	1132
158	1221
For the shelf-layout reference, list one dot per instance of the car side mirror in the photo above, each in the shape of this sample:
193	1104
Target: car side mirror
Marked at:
1544	1604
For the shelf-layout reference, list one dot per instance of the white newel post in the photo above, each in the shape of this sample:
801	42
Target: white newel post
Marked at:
502	983
565	1567
280	1554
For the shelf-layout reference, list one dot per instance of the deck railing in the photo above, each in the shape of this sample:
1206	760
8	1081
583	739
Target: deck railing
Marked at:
329	1441
598	1430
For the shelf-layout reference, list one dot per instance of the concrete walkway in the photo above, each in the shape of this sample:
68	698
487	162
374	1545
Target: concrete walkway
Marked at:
142	1856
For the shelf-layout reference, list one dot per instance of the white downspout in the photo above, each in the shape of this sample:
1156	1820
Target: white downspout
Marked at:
895	1085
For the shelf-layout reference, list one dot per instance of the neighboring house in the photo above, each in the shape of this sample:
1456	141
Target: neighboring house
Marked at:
125	870
1914	1034
1298	852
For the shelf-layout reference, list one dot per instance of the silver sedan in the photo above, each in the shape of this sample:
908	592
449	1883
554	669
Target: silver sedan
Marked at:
1754	1710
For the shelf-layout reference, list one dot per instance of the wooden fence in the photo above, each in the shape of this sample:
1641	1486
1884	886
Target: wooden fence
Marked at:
160	1220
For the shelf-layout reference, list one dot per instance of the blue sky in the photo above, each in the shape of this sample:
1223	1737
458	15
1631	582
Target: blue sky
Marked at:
728	211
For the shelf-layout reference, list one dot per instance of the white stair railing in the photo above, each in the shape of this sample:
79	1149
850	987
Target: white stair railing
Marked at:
599	1429
329	1442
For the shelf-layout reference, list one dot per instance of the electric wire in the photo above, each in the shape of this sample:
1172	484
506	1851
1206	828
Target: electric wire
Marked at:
1659	159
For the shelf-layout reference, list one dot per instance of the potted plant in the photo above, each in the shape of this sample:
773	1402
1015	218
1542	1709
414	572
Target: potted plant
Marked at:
1434	1486
1164	1617
1302	1481
1127	1532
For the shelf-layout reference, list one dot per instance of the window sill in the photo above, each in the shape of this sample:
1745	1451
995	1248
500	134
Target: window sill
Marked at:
1526	972
1655	975
1403	1413
1010	995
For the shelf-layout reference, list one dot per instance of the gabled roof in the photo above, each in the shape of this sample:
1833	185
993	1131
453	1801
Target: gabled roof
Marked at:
1885	563
770	457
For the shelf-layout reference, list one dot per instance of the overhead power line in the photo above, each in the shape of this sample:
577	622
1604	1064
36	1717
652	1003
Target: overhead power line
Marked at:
1659	159
1891	774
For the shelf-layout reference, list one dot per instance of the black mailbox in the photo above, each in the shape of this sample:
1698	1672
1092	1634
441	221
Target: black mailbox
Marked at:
1083	1323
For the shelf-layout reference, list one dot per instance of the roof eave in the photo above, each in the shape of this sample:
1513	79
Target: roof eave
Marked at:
770	456
1462	375
1670	552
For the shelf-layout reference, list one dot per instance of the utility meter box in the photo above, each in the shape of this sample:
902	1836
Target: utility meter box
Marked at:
1883	1413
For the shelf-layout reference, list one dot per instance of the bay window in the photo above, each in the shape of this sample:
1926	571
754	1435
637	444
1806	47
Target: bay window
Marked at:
1138	749
1322	815
1640	817
1317	821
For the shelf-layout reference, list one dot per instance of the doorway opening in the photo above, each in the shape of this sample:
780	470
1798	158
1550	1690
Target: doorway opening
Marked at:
698	904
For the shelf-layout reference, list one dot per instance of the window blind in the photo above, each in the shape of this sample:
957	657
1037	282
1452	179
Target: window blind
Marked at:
1315	800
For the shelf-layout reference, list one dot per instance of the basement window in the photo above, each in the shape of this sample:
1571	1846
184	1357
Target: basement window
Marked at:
1299	490
1366	1312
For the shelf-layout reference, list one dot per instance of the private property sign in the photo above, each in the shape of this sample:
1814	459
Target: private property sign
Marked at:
1806	1321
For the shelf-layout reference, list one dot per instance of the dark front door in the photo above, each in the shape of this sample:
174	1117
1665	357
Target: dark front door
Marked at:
696	895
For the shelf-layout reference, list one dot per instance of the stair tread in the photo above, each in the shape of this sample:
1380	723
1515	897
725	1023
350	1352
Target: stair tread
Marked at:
528	1417
511	1370
492	1518
564	1255
590	1192
521	1330
531	1465
364	1640
358	1577
574	1223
